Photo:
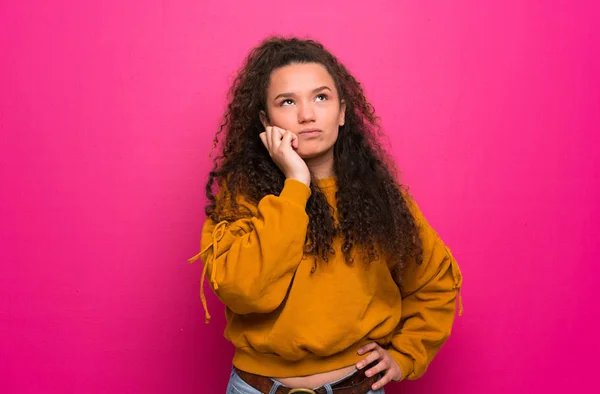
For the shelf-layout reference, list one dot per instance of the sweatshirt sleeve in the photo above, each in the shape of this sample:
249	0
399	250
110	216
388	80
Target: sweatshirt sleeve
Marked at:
251	261
429	293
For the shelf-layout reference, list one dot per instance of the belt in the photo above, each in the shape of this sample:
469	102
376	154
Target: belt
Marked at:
357	383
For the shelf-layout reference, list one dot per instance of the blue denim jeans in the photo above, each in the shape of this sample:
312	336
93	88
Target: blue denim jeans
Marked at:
238	386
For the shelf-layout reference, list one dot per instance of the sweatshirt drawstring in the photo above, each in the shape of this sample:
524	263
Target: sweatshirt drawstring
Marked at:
460	303
217	235
457	276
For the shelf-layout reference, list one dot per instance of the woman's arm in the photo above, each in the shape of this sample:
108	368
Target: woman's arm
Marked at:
251	262
429	293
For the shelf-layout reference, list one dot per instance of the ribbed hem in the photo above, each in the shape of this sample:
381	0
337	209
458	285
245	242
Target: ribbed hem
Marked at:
272	365
405	362
295	192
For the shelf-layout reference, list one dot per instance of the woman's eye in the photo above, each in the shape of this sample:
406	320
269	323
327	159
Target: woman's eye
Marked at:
322	97
287	102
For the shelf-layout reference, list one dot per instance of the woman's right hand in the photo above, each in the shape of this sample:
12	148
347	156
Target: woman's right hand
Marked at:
282	145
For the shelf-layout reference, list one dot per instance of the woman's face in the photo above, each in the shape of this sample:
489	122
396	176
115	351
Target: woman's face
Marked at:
303	99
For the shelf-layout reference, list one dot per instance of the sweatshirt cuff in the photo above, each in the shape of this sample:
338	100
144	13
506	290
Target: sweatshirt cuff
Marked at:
295	192
405	362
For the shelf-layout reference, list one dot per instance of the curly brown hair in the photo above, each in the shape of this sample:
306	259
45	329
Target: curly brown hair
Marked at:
373	210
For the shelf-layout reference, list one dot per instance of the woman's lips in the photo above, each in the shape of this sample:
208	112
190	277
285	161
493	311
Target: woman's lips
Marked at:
310	133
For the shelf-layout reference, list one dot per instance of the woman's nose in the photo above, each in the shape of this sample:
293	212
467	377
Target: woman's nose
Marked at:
306	113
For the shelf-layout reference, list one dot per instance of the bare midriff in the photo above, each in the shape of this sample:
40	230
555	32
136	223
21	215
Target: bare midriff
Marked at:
317	380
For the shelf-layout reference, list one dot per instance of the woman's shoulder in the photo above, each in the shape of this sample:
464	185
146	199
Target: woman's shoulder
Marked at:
231	200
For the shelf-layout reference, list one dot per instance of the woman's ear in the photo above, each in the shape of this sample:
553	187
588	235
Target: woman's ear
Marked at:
264	119
342	112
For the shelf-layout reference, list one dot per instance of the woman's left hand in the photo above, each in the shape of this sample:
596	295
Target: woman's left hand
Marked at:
386	363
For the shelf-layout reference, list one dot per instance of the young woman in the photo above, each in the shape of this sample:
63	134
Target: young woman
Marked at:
332	279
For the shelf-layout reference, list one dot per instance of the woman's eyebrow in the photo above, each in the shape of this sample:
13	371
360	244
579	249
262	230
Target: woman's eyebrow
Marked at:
293	94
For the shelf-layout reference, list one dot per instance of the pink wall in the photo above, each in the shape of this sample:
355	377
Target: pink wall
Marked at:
107	113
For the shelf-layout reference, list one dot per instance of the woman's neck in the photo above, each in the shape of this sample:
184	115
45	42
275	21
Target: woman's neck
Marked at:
321	167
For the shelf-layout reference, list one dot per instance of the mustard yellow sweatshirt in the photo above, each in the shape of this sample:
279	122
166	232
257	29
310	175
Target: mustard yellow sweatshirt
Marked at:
286	321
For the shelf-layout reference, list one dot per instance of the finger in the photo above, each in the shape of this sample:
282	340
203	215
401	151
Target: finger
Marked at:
380	366
287	139
276	136
368	360
368	347
280	131
295	141
383	381
268	133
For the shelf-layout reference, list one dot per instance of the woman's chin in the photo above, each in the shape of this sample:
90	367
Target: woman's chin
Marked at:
310	154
